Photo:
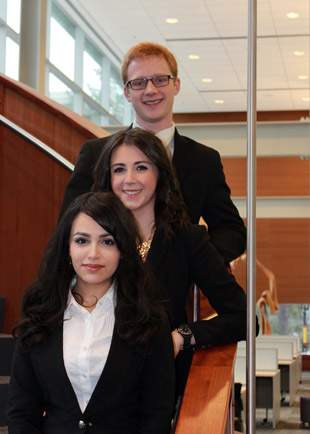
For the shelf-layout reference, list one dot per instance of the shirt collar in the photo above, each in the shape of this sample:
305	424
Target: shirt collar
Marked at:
73	306
166	135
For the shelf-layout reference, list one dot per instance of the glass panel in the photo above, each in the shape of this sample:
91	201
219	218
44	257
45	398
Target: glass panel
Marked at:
60	92
92	72
117	99
12	59
13	14
92	114
62	44
292	319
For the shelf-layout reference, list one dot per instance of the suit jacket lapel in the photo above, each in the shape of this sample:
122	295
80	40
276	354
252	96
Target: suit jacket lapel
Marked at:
157	250
181	157
117	368
52	358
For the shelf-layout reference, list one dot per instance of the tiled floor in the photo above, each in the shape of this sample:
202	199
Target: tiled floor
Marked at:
289	416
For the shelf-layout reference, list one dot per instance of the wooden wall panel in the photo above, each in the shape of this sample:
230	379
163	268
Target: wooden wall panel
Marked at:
276	176
283	246
32	184
305	362
224	117
32	187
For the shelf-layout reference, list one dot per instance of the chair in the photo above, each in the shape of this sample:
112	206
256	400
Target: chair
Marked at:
7	345
305	410
2	308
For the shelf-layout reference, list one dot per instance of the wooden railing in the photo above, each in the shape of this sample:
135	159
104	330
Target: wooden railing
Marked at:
207	405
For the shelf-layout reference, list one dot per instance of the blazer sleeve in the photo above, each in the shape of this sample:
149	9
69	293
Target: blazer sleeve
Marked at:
158	387
225	226
81	179
25	396
208	271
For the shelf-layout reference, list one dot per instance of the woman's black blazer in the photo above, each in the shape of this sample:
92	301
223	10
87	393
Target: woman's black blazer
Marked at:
135	393
190	257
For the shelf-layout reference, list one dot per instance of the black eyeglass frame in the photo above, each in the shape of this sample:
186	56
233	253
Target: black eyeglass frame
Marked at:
146	80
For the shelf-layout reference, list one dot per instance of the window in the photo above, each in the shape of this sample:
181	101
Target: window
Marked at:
62	43
13	14
91	113
117	99
92	72
81	74
60	92
292	319
10	14
11	59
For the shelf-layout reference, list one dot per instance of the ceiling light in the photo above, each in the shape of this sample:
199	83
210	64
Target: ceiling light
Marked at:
292	15
303	77
299	53
207	80
306	98
219	101
194	57
172	20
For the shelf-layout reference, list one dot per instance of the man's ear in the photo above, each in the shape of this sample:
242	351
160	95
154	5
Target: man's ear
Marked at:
177	85
127	93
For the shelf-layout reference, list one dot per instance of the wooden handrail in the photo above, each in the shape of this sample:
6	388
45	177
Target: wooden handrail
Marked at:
207	402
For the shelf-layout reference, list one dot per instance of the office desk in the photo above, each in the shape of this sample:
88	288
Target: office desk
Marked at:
288	370
268	393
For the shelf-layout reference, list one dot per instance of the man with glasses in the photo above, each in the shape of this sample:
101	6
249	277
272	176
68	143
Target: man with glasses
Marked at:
150	76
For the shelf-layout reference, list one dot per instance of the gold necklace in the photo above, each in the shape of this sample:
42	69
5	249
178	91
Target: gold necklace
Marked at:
144	247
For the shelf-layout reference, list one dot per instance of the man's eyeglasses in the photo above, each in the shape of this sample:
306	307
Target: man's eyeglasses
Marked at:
158	81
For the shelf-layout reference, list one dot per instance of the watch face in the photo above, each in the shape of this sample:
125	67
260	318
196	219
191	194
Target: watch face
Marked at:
184	330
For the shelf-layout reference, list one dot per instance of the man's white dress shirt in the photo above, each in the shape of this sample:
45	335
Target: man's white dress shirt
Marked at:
166	136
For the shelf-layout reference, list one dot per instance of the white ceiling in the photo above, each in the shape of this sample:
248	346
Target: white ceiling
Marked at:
216	30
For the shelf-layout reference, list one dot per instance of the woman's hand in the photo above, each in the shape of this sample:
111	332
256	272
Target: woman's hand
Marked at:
178	342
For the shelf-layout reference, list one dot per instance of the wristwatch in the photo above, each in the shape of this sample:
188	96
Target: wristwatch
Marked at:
187	334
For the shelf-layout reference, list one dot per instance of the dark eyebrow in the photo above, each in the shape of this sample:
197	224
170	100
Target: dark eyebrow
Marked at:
84	234
143	161
136	162
118	164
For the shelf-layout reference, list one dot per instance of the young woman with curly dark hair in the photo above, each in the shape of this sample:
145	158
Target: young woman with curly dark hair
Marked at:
94	348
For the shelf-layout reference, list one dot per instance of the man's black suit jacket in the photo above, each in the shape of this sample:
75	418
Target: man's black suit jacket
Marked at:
134	394
202	180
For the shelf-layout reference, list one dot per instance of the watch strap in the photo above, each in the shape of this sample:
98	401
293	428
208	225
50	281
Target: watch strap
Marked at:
187	334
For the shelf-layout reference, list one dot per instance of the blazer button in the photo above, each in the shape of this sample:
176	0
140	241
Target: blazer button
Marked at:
82	424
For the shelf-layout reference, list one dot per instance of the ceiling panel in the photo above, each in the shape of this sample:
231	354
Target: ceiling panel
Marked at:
216	30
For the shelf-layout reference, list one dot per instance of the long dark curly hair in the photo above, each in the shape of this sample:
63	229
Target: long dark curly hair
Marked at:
170	209
139	312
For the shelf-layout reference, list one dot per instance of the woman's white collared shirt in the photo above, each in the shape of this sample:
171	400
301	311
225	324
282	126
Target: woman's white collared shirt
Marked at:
87	339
